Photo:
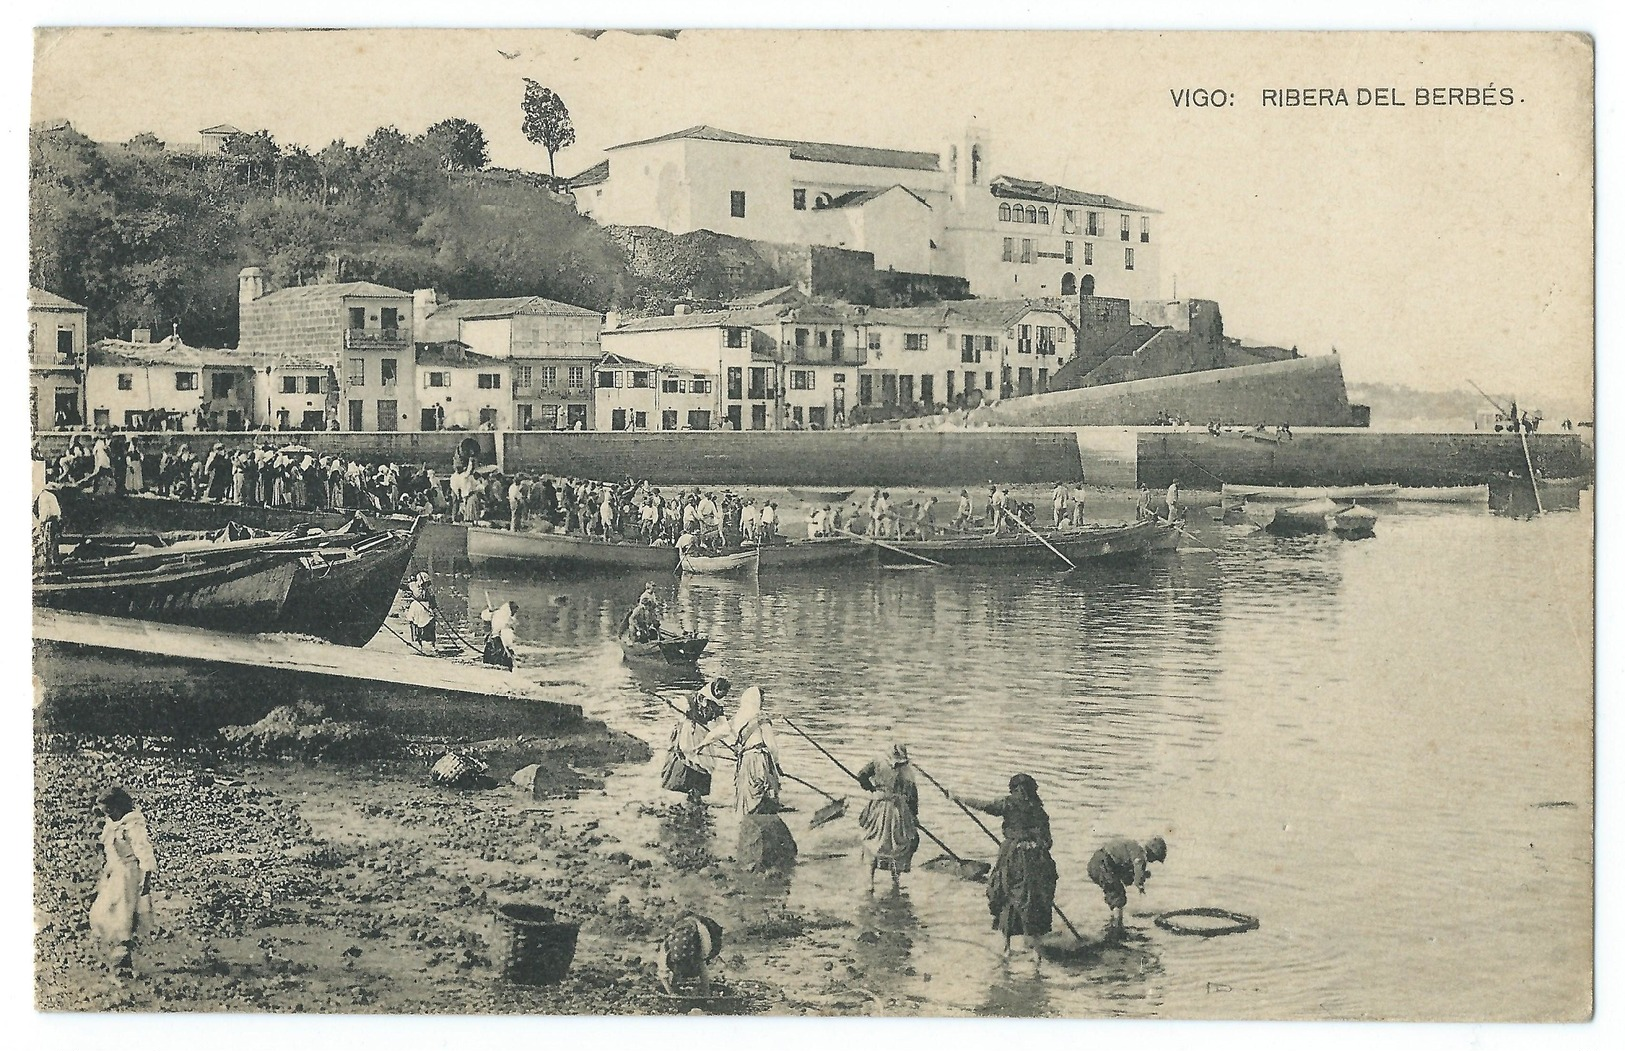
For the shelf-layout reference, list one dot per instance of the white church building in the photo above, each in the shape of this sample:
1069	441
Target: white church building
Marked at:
919	212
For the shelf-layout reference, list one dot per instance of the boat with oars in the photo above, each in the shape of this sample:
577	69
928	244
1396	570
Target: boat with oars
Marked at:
334	584
732	562
1085	543
565	550
670	648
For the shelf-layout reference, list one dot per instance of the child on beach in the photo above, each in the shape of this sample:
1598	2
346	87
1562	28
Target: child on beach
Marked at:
123	906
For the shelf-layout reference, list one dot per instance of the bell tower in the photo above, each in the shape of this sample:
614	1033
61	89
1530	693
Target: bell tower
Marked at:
970	169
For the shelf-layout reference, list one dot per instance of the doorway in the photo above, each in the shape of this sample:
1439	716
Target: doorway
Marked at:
758	417
1088	286
426	419
355	415
575	417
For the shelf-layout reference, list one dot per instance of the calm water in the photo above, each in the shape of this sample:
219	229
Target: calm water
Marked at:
1357	742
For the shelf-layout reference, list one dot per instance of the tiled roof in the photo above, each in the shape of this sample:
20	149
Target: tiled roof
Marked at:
38	297
859	198
508	307
981	313
339	291
617	361
767	297
221	129
171	351
828	152
1043	192
454	354
591	177
705	319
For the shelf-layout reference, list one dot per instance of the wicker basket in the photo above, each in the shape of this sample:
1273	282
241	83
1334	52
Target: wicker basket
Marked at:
531	947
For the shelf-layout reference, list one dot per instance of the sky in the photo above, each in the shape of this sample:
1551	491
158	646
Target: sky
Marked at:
1430	245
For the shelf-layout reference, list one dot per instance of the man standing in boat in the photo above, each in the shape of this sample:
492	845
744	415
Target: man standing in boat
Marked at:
1173	500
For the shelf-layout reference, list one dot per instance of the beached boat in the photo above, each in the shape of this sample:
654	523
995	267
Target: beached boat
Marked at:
733	562
821	496
816	551
1022	549
1444	494
1312	517
1305	494
670	649
1167	537
336	585
561	549
1355	521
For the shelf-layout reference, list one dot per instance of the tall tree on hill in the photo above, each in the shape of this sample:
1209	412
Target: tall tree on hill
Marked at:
458	144
547	121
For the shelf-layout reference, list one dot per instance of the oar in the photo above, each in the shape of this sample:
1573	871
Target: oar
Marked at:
990	834
894	549
980	867
1190	534
1040	537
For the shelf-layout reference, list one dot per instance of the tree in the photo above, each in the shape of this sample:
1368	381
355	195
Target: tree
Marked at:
257	152
547	121
458	144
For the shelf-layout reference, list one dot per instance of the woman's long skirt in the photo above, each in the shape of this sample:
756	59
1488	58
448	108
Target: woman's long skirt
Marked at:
1021	889
756	784
890	834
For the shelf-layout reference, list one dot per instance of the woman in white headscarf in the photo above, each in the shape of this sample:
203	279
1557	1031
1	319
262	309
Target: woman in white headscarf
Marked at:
750	735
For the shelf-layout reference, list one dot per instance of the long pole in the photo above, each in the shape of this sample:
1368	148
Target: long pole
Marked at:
843	768
971	814
895	550
1529	462
1041	539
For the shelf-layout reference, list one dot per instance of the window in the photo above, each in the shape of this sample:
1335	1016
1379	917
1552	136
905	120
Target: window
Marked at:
1043	216
1145	229
798	379
1128	259
488	417
578	377
313	384
521	376
126	381
1088	253
916	341
1093	228
1069	220
801	337
220	383
1123	227
874	340
798	201
668	387
1009	250
290	385
643	379
968	351
548	418
1068	253
1004	212
186	381
823	338
490	381
1024	339
387	372
437	379
1046	339
1069	284
700	387
64	343
668	419
736	337
604	380
358	318
759	390
389	320
1026	249
358	372
1019	215
736	384
550	377
736	203
1032	214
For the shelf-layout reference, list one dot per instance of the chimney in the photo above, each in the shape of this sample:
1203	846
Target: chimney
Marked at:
250	285
612	319
424	303
141	335
679	309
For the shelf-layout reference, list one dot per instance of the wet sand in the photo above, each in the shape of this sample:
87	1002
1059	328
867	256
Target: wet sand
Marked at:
297	887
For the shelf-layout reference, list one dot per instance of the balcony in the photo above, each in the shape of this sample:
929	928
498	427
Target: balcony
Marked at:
374	339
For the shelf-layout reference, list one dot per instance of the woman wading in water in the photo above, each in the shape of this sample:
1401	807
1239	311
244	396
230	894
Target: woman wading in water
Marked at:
1021	888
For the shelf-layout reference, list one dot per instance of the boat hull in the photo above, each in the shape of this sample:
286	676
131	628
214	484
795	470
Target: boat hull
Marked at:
1312	517
345	601
1079	545
819	551
680	651
1356	521
1447	494
557	549
822	496
1304	494
734	563
248	595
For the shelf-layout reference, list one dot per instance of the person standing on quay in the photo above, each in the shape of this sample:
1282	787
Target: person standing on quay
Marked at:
1021	888
123	907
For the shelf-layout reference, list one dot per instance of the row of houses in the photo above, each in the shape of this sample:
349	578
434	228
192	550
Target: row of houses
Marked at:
360	356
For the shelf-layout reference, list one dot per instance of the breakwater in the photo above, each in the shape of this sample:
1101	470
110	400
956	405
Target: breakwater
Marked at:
1109	456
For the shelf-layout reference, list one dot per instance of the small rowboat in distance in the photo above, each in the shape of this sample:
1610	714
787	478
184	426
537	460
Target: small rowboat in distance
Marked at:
670	649
1129	540
1304	494
1355	521
1445	494
733	562
821	496
1312	517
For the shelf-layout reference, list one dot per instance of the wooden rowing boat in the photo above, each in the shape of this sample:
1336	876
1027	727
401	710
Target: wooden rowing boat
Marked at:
1083	544
821	496
1312	517
1305	494
816	551
670	649
336	585
1355	521
561	549
732	562
1445	494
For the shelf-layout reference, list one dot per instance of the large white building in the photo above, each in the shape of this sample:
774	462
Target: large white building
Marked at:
919	212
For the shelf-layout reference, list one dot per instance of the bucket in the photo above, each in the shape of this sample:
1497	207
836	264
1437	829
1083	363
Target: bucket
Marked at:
531	947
